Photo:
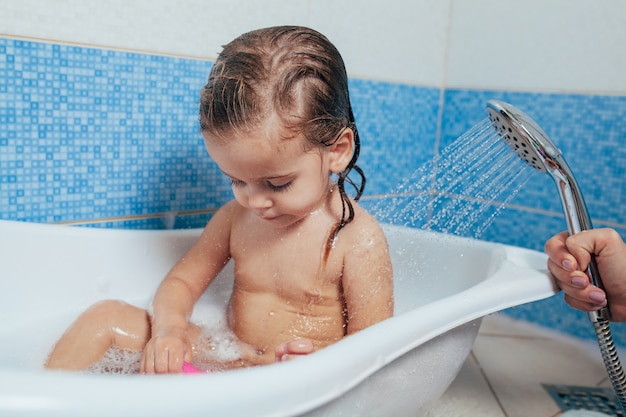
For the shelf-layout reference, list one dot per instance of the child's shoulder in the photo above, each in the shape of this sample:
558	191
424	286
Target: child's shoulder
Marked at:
229	213
364	218
364	228
231	209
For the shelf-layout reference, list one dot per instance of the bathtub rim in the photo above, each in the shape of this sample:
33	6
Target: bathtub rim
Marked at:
518	282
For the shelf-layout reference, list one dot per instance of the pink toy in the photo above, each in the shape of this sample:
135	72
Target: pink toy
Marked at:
190	369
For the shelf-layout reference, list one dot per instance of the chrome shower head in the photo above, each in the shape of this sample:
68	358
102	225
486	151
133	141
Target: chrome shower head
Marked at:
533	146
523	135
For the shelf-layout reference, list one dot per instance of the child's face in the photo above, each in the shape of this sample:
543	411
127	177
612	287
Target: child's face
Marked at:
273	177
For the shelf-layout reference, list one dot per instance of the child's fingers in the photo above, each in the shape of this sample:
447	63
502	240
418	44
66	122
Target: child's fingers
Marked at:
161	357
293	349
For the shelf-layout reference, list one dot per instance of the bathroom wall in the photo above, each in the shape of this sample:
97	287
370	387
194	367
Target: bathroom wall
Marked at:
562	63
98	103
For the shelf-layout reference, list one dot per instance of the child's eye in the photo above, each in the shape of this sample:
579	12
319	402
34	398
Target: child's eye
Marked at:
279	187
236	183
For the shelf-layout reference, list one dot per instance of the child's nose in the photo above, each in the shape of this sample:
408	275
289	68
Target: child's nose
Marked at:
258	200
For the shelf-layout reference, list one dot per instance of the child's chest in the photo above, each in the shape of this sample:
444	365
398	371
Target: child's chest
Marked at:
291	266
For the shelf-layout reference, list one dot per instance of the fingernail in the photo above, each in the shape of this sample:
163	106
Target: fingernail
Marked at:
597	297
302	344
567	264
579	282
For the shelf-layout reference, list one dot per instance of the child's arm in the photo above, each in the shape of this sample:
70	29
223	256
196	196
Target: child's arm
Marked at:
367	277
173	302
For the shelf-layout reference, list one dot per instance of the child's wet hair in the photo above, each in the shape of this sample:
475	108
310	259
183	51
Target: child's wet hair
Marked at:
295	73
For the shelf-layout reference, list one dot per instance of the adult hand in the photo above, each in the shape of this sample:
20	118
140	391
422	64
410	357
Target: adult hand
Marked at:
569	257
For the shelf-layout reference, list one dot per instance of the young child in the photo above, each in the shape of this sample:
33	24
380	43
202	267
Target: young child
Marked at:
311	266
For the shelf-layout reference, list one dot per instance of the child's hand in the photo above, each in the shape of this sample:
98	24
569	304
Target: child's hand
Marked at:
166	351
293	348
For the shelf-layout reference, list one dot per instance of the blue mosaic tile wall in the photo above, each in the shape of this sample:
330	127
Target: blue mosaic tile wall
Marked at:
397	126
111	139
92	133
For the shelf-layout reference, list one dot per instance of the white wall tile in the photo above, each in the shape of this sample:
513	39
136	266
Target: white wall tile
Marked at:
195	28
538	45
398	41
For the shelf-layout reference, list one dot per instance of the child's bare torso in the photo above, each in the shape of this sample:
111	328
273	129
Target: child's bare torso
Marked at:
285	288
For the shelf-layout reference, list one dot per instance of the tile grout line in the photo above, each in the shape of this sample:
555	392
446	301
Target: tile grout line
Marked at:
484	375
515	336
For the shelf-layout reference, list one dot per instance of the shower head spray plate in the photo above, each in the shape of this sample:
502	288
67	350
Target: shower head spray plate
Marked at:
522	134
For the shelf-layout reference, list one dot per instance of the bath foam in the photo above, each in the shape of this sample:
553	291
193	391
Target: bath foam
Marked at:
220	343
220	346
117	361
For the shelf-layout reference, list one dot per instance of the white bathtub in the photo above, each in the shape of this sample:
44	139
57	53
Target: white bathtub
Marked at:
444	285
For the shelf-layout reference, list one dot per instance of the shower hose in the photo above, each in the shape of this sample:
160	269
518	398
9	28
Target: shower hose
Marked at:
611	359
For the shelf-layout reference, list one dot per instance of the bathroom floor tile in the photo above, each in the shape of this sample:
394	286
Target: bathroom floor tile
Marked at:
510	360
517	364
468	395
502	325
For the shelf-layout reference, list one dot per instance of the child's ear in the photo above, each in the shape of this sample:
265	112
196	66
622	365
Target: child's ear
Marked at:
340	152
